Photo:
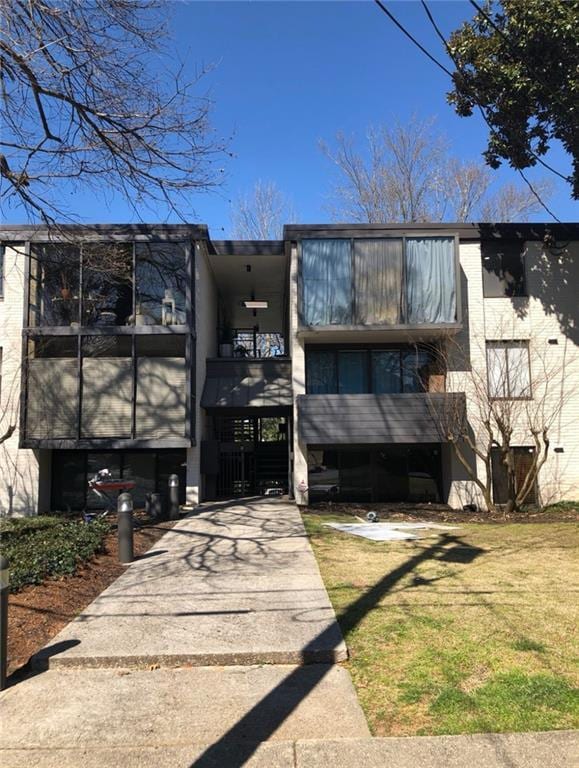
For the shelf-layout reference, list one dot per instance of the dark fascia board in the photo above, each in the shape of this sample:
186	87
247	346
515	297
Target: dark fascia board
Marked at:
87	232
466	231
246	247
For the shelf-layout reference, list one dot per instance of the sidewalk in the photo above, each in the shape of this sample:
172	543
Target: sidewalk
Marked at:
236	583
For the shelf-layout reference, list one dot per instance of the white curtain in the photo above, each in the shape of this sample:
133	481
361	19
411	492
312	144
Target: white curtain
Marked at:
326	274
430	280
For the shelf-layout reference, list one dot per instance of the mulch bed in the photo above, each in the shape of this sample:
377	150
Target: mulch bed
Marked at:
443	514
37	613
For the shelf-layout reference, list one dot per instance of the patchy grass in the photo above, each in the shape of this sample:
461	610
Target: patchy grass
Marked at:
464	631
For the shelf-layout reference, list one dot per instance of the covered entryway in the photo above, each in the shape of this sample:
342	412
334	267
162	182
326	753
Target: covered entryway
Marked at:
248	428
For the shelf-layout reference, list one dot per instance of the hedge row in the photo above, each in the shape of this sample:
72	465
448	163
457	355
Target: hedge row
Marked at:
44	546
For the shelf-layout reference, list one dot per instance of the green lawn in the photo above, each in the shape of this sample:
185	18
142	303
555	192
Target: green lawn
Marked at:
470	630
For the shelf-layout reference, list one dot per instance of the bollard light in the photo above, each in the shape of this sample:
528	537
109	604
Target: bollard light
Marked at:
125	527
173	497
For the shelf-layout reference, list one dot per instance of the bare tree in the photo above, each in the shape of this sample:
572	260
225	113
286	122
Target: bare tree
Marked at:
406	174
261	214
512	203
516	399
84	107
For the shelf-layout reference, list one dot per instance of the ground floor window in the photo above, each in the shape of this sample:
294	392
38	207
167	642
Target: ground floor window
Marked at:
150	470
376	473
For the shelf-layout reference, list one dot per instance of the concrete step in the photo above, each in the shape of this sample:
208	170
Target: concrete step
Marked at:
113	709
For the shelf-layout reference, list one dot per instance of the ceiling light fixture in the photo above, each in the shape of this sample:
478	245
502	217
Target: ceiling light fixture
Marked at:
255	304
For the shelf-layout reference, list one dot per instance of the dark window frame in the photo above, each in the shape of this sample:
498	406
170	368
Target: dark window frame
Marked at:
2	267
402	235
512	249
78	333
510	344
369	349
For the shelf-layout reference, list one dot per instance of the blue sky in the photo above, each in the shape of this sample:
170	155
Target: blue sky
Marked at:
286	74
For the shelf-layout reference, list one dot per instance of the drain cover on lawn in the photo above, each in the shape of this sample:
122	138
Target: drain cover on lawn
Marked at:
388	531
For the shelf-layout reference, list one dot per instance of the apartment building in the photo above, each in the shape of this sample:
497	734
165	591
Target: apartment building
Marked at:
308	365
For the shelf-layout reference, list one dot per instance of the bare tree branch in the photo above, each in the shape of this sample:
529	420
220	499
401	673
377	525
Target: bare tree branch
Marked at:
83	106
261	214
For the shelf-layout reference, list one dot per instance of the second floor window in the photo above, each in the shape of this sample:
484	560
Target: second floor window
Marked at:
386	281
508	367
503	269
364	371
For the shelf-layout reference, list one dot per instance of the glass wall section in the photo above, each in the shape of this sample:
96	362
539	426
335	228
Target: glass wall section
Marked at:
430	283
416	365
72	469
384	281
385	473
54	290
52	387
107	386
352	372
386	372
321	372
378	271
367	371
161	284
326	282
107	284
161	386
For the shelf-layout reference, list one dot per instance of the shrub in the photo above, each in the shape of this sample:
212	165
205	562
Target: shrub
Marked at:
40	547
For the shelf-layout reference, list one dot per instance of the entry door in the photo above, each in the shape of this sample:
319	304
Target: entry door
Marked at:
236	470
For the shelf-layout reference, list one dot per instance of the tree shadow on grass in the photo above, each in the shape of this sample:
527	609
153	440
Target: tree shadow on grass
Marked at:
240	742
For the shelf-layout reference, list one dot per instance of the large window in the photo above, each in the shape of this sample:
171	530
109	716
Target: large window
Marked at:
508	368
380	473
108	284
71	471
503	268
384	281
367	371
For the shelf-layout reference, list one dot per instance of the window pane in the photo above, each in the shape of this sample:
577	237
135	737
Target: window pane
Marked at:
497	370
321	373
140	467
378	279
52	394
172	345
415	369
503	269
355	476
430	280
161	284
352	373
110	460
386	377
54	285
107	272
68	480
107	386
519	374
326	274
323	475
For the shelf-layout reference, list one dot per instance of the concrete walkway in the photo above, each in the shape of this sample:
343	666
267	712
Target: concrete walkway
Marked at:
194	658
236	583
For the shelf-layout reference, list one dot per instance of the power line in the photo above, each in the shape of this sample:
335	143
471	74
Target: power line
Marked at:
450	74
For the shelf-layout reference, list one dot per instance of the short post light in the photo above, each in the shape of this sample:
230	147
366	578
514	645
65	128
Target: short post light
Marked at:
173	497
125	527
4	591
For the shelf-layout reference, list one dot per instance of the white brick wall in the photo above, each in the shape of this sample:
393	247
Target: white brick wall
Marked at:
19	469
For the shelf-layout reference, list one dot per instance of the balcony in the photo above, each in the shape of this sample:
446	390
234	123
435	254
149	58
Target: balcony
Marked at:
375	419
406	286
241	384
